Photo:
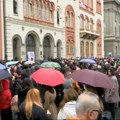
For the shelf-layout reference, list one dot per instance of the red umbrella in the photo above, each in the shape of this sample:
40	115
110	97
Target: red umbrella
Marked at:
48	76
92	78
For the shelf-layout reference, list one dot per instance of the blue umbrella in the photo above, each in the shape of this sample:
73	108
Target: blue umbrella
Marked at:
4	74
88	61
11	62
2	67
92	58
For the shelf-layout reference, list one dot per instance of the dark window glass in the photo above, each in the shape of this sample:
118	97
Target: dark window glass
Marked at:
15	7
58	19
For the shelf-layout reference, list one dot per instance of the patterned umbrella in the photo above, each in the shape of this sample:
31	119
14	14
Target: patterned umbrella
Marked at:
50	65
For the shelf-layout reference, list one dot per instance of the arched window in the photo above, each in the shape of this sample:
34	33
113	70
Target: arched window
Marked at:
70	47
71	20
87	49
85	2
82	49
91	4
15	6
81	21
88	2
30	43
98	48
91	24
99	26
98	6
87	23
51	15
67	19
35	9
58	17
31	8
43	12
25	7
91	49
40	10
47	12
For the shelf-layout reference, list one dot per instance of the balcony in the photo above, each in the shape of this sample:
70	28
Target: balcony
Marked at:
88	34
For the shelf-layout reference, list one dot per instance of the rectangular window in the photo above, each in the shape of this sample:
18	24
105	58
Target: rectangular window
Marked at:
35	9
25	8
40	11
85	2
31	9
98	7
58	18
15	7
50	15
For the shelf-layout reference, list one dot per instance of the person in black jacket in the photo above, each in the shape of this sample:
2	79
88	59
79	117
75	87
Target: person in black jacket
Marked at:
32	108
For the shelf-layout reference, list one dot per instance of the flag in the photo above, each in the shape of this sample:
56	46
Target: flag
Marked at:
82	5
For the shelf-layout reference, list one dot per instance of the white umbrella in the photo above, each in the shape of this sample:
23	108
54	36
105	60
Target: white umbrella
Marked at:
29	62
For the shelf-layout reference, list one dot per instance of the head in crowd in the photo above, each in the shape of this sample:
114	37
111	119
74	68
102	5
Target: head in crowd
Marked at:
50	89
70	94
25	85
66	71
110	72
32	97
88	106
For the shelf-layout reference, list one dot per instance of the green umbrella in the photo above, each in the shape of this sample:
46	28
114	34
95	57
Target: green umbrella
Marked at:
50	65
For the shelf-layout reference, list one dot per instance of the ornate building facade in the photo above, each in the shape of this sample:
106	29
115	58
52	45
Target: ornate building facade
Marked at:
54	28
112	27
91	28
1	32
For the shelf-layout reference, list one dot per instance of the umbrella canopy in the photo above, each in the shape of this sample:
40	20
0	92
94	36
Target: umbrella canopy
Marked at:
29	62
4	74
48	76
92	78
88	61
50	65
2	67
11	63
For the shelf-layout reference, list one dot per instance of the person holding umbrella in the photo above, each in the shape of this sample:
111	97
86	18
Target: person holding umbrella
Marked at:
112	95
32	108
50	78
49	104
5	100
5	95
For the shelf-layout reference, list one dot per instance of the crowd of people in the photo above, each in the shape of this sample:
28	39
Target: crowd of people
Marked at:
21	98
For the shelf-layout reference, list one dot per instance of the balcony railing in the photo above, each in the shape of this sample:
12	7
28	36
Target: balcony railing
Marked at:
88	34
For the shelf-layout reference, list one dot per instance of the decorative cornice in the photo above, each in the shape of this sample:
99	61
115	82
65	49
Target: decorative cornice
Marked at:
24	23
114	1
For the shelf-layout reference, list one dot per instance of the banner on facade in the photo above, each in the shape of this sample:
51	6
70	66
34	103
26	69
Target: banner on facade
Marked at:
31	56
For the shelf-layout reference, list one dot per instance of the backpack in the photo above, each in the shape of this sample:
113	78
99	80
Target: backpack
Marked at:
14	104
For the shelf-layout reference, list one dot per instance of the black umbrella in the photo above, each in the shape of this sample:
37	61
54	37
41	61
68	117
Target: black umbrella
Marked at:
4	74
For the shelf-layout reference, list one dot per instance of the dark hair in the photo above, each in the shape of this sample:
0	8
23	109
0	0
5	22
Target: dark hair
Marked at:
70	94
50	89
111	70
27	82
